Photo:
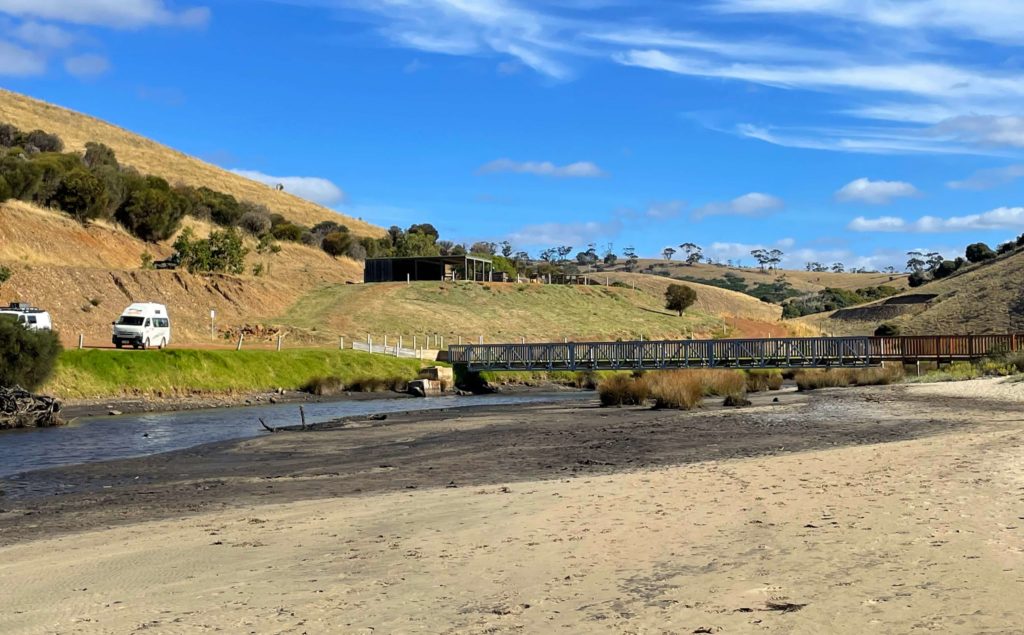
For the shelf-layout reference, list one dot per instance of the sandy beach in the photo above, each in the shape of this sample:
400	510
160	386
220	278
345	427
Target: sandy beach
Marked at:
896	509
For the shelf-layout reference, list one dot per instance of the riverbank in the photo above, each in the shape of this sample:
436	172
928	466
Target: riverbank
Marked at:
189	374
839	511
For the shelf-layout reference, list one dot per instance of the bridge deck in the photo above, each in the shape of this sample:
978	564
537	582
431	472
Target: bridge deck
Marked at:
808	352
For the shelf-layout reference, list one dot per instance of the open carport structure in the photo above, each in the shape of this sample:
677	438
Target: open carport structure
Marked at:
431	268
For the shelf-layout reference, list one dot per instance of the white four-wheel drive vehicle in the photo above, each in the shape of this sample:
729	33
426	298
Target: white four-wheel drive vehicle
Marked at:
28	316
143	325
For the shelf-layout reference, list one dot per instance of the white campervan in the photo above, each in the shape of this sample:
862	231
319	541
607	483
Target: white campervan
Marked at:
28	316
143	325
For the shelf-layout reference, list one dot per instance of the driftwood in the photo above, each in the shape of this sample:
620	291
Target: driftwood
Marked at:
302	416
21	409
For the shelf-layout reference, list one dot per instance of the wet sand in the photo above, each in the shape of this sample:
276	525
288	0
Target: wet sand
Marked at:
896	509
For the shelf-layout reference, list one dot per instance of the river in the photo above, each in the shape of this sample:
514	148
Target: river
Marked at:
127	436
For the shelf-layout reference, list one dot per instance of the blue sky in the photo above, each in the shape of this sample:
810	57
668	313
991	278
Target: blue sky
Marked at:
837	130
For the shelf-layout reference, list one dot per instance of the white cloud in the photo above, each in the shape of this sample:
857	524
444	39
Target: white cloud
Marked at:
45	36
310	188
752	204
124	14
986	130
996	219
875	192
20	62
576	234
578	170
87	66
988	179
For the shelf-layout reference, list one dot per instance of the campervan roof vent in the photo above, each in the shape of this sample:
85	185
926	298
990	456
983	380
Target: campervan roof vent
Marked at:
20	306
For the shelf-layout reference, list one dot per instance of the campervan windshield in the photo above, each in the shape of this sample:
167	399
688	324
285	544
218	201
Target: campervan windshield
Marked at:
130	320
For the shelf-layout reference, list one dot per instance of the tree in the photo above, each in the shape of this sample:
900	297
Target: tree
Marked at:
81	195
934	259
945	269
917	278
838	267
151	214
979	252
426	229
762	258
679	297
916	261
506	249
483	247
27	358
667	253
337	243
775	258
563	251
586	258
693	253
610	259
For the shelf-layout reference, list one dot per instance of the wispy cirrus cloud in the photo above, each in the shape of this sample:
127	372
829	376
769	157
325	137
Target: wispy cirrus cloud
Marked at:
988	179
1002	218
865	190
577	170
752	204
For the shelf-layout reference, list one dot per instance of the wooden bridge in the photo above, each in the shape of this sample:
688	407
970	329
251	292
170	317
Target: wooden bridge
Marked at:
804	352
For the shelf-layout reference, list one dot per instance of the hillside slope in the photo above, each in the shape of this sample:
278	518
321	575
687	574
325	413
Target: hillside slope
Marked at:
85	275
508	312
150	157
805	281
985	299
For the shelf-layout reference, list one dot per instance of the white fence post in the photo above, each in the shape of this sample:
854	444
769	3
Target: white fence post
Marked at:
279	338
239	346
81	341
341	343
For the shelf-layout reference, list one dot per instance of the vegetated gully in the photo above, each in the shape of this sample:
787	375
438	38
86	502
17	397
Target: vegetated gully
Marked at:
127	436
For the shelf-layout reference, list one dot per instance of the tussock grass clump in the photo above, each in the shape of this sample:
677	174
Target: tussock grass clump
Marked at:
762	380
677	389
846	377
720	383
623	390
324	386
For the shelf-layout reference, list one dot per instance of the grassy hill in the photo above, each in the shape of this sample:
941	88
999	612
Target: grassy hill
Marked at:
985	298
508	312
150	157
85	275
802	281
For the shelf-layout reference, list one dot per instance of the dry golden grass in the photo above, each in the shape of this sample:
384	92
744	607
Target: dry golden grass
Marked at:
983	299
147	156
623	390
675	389
762	380
709	299
808	281
846	377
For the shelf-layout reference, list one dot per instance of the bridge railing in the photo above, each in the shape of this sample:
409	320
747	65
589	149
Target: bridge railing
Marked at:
806	352
736	353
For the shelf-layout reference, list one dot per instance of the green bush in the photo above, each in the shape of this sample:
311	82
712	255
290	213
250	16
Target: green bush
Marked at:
336	243
5	274
21	175
43	141
887	330
222	252
27	358
979	252
82	195
151	214
98	155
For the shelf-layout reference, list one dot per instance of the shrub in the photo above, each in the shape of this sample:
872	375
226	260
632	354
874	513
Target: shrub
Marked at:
27	358
52	169
623	390
679	297
732	401
945	269
43	141
917	279
887	330
221	252
97	155
721	383
324	386
979	252
378	384
82	195
337	243
356	251
1007	247
256	222
5	274
10	136
21	175
676	389
151	214
288	231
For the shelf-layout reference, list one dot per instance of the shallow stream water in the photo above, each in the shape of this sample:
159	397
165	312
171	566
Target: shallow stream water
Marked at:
126	436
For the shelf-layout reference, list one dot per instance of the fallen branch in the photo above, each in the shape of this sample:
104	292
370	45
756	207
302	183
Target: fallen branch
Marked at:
266	427
21	409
